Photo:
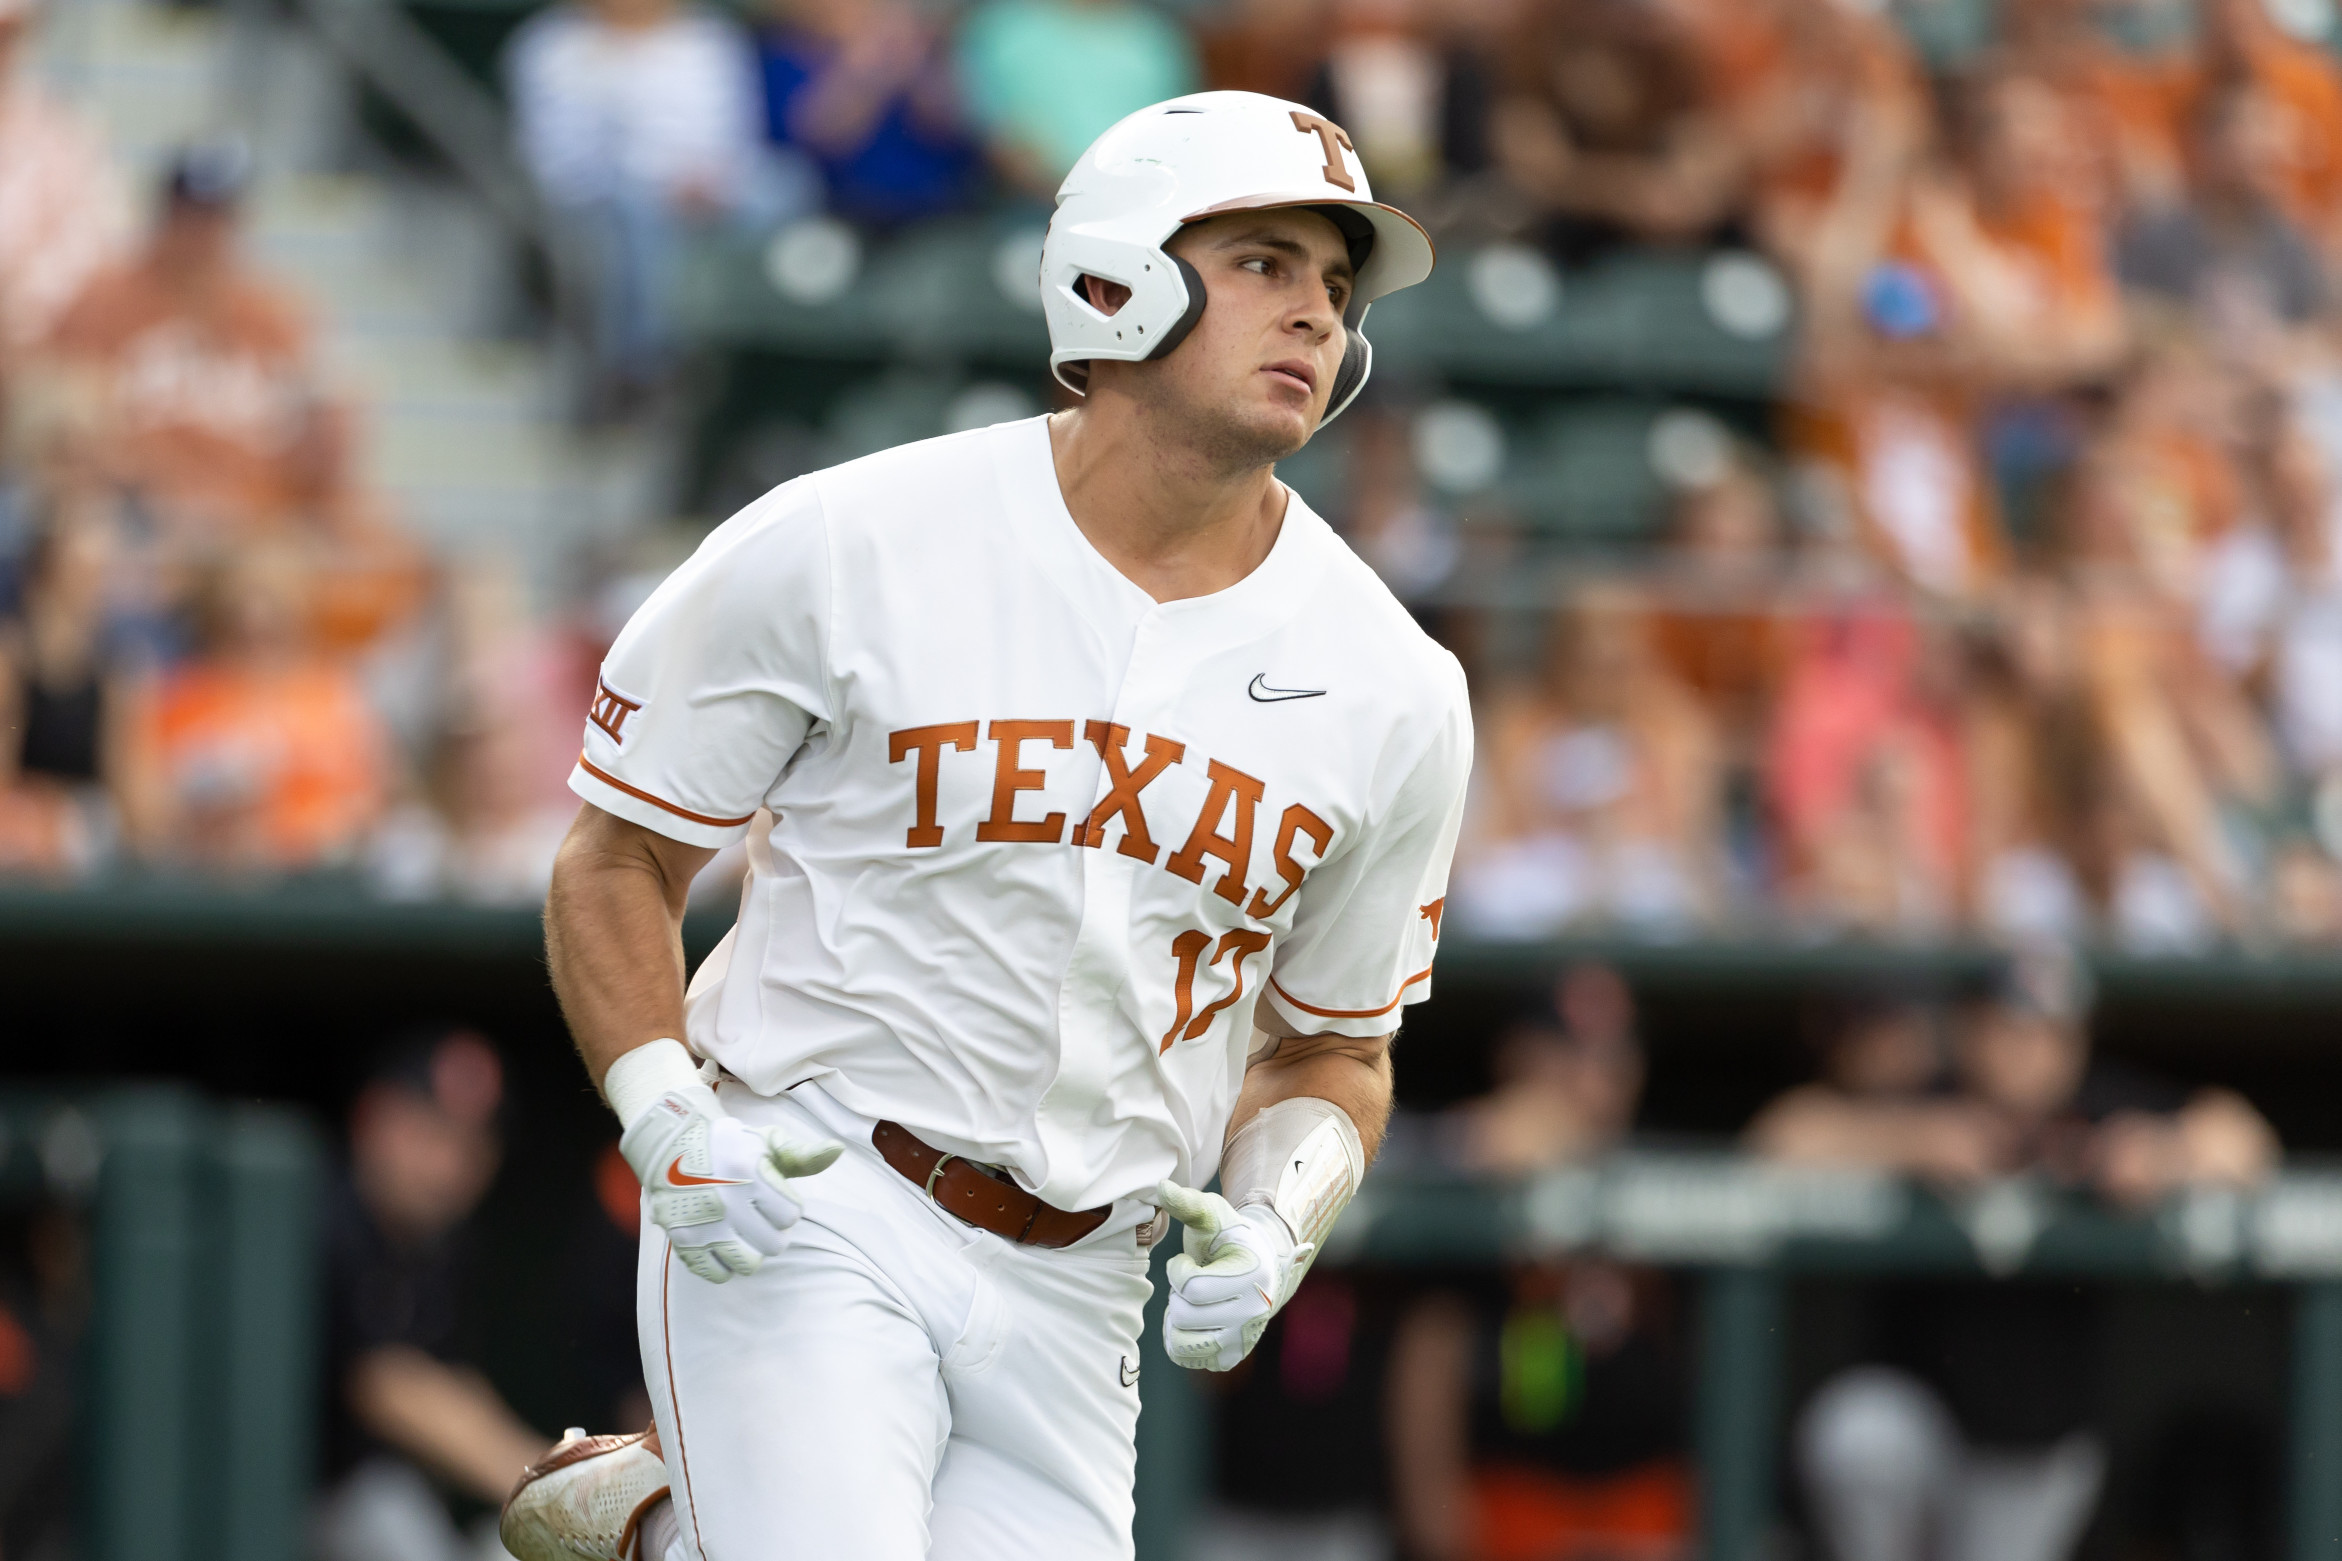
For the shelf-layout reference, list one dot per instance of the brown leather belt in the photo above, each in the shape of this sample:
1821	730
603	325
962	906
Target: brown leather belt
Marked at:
980	1198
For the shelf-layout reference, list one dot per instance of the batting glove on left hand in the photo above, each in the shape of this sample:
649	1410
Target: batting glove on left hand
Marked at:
718	1187
1235	1268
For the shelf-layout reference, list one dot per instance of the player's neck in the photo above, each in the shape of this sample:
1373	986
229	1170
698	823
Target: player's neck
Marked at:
1170	521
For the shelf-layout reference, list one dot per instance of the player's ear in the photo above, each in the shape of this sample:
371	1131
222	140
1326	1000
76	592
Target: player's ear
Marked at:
1104	296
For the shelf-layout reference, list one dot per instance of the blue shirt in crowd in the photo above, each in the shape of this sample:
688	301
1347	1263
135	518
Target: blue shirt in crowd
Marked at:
902	171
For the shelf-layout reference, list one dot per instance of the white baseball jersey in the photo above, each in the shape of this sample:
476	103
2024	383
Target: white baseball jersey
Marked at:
1037	843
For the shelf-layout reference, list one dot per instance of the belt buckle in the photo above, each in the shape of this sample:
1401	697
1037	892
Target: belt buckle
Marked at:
936	1170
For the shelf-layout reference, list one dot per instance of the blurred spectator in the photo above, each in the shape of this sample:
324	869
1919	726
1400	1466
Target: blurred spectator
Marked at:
2035	271
493	805
194	380
2024	723
1542	1418
1386	514
1897	356
1974	1441
1721	622
44	1312
72	764
2233	251
407	1411
865	89
268	756
2124	102
1271	46
1606	124
1046	77
642	120
2272	603
1724	626
1567	1082
2299	86
1878	1102
1865	773
63	212
2186	764
1600	794
1296	1442
1828	99
1413	105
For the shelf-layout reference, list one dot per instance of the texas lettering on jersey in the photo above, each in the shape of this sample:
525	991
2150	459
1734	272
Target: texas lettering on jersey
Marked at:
1234	799
1223	831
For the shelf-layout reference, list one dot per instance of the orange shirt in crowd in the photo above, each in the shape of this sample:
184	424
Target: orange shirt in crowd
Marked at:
1648	1513
1913	477
62	211
2133	109
2143	105
269	766
2306	87
2157	498
211	400
2058	247
1840	74
1741	46
1730	656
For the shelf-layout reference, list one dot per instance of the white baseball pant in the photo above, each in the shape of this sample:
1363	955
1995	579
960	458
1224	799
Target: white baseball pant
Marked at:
896	1385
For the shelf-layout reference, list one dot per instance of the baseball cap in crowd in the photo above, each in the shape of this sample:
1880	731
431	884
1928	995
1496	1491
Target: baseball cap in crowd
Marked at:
211	174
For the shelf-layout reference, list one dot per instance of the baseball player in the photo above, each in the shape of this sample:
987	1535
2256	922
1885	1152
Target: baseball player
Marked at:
1098	805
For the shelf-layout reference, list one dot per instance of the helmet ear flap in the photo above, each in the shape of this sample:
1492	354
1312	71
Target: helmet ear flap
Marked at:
1350	377
1194	311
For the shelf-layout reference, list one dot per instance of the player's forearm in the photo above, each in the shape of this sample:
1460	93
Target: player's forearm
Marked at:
1353	1073
614	936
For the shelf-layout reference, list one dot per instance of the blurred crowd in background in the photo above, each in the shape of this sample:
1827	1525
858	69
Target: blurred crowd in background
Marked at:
2019	615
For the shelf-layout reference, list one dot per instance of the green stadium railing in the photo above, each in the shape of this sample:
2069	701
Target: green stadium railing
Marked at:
1746	1227
334	915
199	1410
964	290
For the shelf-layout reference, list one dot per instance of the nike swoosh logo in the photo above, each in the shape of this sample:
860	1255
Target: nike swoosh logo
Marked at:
1129	1373
679	1177
1259	689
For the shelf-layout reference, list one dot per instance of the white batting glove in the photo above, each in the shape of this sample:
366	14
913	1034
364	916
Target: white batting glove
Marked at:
718	1187
1234	1269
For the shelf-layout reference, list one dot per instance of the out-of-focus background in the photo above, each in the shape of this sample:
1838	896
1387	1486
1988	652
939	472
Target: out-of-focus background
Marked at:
1880	462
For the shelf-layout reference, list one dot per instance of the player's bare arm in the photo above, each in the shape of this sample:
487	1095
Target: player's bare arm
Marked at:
614	944
1349	1071
614	934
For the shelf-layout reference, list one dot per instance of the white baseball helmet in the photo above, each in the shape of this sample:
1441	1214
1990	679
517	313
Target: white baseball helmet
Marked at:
1195	157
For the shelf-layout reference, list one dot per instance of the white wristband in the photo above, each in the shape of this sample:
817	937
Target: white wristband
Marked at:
639	1077
1302	1158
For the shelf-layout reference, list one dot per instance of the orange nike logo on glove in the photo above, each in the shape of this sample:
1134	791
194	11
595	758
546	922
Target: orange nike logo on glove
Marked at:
679	1177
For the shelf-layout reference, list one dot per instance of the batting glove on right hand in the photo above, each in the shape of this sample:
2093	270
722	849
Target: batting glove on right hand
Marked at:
1234	1269
718	1187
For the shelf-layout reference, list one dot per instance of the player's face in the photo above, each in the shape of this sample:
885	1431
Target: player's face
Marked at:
1254	376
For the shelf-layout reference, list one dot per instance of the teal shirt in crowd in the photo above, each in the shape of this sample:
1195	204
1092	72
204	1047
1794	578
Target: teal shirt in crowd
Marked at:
1049	75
